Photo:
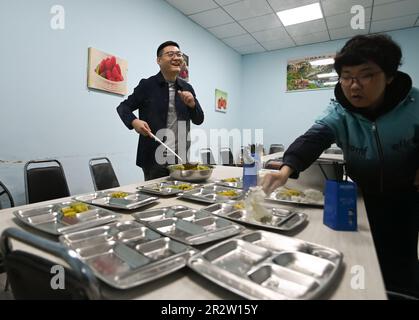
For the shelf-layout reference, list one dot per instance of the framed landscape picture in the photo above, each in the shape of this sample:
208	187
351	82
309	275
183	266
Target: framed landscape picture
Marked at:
106	72
311	73
220	100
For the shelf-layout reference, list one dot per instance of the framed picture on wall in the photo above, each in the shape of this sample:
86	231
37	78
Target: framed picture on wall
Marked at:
184	71
106	72
311	73
221	98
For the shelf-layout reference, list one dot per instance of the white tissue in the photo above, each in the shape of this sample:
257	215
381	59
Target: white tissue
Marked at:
254	205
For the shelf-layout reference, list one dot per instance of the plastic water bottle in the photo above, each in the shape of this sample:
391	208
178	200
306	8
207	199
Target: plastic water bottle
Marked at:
249	170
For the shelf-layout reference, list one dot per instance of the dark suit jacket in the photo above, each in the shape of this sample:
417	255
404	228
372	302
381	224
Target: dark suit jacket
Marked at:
151	98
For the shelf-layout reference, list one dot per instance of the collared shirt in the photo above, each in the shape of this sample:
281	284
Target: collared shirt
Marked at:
172	121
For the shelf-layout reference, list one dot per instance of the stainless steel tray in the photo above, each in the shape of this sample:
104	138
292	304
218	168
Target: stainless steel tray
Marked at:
282	219
168	188
127	254
53	220
211	194
128	202
265	265
186	225
231	182
278	196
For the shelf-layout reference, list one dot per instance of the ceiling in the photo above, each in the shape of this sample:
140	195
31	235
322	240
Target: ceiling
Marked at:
252	26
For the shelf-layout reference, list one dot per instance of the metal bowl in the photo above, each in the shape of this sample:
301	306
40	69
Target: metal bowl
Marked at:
190	175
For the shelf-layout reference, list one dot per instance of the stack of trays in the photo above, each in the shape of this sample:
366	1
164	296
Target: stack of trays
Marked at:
60	218
187	225
280	219
117	199
264	265
127	254
212	194
168	188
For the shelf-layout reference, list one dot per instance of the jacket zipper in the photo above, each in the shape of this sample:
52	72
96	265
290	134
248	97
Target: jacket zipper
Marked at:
380	155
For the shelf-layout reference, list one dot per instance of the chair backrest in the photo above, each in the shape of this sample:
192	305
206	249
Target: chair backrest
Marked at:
206	156
45	180
103	175
275	147
31	276
226	156
6	199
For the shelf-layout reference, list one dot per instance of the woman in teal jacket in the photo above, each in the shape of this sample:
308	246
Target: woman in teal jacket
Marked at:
375	120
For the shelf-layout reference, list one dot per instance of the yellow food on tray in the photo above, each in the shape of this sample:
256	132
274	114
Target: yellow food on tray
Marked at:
306	196
118	194
290	192
74	208
231	180
183	186
239	205
182	167
228	193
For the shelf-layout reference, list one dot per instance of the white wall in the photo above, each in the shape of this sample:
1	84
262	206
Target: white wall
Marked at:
47	110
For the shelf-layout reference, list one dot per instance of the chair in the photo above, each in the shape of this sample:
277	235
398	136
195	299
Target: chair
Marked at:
226	156
206	156
6	199
103	175
30	276
45	182
275	147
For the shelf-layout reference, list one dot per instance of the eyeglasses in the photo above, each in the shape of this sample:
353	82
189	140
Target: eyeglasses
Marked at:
171	54
363	79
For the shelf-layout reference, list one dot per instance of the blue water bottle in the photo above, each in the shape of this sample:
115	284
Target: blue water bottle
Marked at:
249	170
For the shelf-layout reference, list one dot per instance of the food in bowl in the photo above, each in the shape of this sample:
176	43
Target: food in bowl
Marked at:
189	167
190	172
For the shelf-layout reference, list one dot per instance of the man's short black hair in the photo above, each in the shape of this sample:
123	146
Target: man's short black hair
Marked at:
378	48
164	45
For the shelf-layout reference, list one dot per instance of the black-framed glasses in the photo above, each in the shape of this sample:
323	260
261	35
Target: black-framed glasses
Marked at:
172	54
363	79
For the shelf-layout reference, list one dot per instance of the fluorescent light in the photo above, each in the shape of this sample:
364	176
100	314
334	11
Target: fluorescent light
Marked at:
331	83
322	62
300	14
327	75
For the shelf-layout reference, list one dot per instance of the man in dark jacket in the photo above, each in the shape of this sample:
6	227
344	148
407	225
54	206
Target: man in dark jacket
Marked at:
375	121
166	104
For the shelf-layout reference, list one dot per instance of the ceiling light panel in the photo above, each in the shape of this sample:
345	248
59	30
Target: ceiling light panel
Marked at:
301	14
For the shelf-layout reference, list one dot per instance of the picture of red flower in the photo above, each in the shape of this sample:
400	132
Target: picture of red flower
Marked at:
109	69
107	72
